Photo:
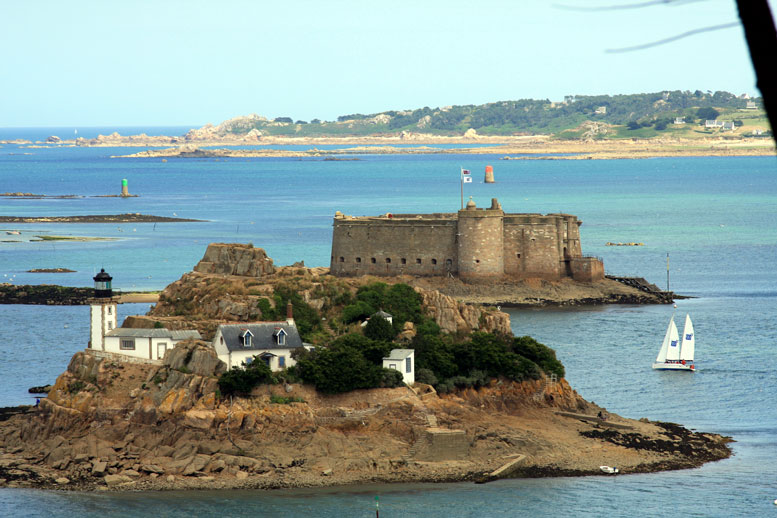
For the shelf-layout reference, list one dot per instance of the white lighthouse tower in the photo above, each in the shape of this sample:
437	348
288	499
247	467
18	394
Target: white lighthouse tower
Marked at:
102	311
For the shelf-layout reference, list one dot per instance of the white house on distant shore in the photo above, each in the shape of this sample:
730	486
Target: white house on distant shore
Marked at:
271	342
149	344
402	360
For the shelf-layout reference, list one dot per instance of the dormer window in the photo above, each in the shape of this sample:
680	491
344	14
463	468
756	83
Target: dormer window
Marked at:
247	337
280	336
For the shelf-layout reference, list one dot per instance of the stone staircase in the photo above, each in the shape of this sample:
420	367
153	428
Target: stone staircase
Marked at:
548	383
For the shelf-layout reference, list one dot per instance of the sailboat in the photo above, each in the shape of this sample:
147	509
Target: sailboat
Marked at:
674	353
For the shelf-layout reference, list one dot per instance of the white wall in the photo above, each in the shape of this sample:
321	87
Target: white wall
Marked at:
148	348
401	366
102	318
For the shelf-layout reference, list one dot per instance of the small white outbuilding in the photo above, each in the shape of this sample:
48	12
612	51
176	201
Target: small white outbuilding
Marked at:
402	360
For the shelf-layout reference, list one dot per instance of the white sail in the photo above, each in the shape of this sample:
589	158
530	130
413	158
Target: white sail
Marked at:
662	353
673	351
689	341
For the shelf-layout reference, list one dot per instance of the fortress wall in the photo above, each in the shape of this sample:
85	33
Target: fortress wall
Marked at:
473	244
531	246
393	246
587	269
481	244
572	236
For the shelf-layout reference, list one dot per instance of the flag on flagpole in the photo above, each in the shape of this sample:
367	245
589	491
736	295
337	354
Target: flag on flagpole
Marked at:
465	176
467	179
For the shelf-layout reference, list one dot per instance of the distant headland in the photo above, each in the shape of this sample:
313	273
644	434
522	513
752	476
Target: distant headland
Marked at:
666	123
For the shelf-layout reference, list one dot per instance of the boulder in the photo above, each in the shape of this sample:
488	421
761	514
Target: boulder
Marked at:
99	467
116	480
197	357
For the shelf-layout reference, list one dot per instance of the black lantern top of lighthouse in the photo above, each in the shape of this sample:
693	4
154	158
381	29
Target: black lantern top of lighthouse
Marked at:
102	285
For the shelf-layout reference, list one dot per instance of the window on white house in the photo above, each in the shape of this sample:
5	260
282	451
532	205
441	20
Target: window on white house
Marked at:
249	360
281	362
110	325
110	309
127	344
408	365
247	340
282	339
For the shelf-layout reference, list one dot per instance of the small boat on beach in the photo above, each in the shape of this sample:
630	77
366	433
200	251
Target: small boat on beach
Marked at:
610	470
674	353
12	232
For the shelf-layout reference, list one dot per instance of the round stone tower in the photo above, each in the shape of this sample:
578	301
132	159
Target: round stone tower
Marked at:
481	242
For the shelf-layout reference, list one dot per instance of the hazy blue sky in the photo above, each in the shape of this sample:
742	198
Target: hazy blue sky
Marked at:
93	63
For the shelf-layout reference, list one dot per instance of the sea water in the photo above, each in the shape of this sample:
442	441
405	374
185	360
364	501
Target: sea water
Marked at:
715	217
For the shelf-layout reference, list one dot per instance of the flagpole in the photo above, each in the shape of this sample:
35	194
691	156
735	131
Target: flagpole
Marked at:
461	181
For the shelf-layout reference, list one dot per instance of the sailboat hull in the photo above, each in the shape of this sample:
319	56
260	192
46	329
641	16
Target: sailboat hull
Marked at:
674	367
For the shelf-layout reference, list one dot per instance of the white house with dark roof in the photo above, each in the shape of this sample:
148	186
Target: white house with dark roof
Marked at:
402	360
271	342
150	344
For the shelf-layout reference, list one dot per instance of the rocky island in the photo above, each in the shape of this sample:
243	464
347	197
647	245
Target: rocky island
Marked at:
122	423
96	218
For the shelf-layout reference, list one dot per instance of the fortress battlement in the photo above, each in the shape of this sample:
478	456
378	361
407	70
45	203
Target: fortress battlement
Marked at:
472	244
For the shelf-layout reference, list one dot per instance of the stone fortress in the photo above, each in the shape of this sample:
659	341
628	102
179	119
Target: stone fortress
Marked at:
474	244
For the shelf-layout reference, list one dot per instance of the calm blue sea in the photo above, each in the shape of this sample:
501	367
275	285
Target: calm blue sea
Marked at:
715	217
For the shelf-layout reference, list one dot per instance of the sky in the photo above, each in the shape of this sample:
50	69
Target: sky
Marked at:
170	62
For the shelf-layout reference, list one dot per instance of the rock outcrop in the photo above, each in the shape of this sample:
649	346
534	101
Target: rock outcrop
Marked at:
123	426
458	318
235	259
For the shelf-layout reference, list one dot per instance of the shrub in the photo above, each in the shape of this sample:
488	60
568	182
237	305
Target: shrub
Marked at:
357	311
425	376
347	364
391	378
542	355
242	380
378	328
268	312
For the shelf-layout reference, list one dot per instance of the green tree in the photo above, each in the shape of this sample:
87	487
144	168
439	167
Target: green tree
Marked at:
379	328
707	113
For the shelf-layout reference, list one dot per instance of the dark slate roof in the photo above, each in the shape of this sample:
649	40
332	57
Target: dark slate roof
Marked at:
264	336
155	333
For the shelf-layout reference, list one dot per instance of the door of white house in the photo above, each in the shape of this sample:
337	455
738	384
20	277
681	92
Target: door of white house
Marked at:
161	347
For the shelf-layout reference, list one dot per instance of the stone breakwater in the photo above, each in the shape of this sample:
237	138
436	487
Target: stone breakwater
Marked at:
115	425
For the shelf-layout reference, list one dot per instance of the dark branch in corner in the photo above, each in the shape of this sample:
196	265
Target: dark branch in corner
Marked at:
618	7
673	38
761	39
